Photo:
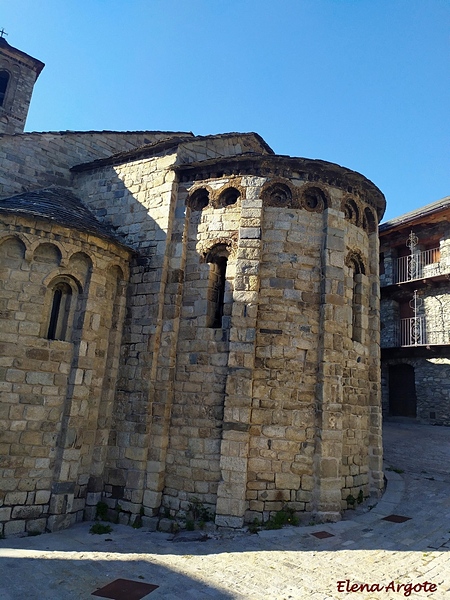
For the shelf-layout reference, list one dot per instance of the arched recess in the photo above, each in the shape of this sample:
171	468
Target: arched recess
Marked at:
277	194
80	264
217	258
47	253
12	267
358	271
62	297
198	199
12	252
351	211
228	196
46	257
314	199
369	221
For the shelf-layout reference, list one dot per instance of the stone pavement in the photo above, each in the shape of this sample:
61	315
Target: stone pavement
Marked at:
272	565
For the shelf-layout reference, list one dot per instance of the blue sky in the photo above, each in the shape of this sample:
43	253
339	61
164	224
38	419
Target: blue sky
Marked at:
362	83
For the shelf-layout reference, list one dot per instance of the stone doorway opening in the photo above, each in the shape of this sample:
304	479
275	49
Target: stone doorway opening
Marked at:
402	391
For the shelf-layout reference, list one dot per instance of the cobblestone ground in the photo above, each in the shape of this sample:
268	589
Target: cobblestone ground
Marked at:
272	565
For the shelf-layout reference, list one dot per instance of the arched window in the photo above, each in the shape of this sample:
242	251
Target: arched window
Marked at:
58	327
314	199
4	79
229	196
369	221
277	195
217	257
198	200
351	211
355	263
62	299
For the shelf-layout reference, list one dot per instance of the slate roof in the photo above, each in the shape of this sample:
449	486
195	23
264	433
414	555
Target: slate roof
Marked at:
168	143
418	213
60	206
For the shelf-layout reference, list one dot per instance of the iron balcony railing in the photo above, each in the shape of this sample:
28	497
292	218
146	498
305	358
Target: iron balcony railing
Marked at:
418	265
413	332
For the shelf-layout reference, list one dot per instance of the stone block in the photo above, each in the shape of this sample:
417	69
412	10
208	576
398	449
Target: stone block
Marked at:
36	526
5	513
14	498
14	527
26	512
287	481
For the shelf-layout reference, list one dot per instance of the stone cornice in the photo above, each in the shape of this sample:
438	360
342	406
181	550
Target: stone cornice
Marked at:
310	170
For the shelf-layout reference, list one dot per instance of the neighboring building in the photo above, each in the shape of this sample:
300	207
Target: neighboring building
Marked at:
184	318
415	314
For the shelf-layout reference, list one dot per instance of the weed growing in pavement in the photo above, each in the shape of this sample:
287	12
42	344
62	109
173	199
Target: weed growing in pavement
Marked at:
254	526
286	516
100	529
199	511
137	523
399	471
351	501
190	525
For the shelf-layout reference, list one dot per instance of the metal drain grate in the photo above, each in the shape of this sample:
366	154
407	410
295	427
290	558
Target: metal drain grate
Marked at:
322	535
396	519
125	589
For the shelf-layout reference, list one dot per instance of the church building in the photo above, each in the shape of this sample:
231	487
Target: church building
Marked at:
183	319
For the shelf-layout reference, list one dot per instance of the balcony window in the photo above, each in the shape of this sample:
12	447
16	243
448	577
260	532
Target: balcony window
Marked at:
421	264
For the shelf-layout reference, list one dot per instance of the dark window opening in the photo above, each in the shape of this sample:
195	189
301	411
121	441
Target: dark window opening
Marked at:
314	199
4	79
218	291
357	309
59	315
278	195
369	221
199	199
217	258
357	271
229	196
351	211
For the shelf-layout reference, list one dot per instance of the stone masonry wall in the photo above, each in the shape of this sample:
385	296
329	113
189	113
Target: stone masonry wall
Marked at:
265	379
283	418
361	468
54	390
140	199
37	160
202	358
